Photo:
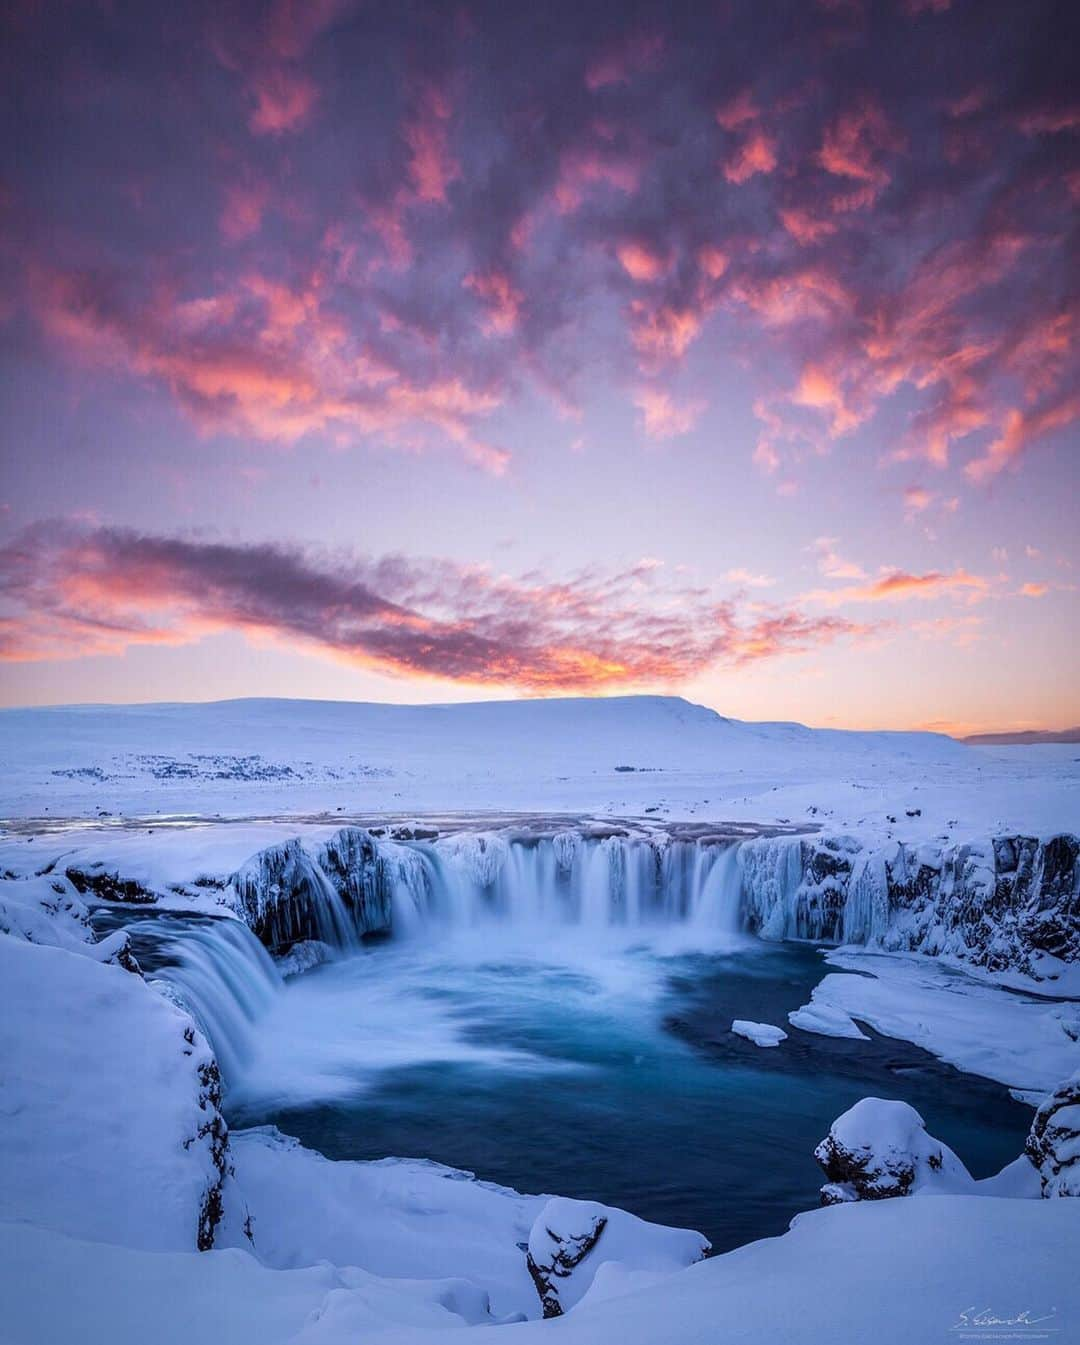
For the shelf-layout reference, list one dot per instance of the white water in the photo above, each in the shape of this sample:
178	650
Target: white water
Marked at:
566	880
225	978
565	893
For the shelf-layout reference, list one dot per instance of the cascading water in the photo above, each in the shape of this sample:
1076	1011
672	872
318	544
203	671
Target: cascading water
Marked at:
217	970
565	879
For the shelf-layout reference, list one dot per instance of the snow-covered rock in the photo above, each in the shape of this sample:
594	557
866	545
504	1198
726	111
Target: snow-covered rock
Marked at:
826	1021
761	1034
572	1239
110	1125
1054	1142
880	1148
46	909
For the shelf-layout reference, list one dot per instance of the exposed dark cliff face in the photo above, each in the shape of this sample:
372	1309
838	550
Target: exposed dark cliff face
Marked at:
1007	904
213	1133
334	893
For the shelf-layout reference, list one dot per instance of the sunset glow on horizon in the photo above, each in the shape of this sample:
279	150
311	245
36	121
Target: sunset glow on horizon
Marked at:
430	352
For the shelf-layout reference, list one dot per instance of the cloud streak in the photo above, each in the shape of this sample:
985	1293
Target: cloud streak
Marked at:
68	591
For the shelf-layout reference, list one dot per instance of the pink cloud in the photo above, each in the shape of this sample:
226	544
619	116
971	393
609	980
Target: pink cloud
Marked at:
266	362
1019	430
432	167
917	499
737	112
640	262
854	146
284	101
662	416
622	60
583	168
501	300
757	154
805	227
664	331
243	210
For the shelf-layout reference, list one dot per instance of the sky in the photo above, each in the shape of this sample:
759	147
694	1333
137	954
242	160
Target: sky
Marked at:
432	352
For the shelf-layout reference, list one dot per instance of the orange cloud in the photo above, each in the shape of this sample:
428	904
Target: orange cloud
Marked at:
900	585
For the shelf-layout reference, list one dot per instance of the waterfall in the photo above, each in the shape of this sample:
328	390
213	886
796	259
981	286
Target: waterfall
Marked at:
219	972
565	879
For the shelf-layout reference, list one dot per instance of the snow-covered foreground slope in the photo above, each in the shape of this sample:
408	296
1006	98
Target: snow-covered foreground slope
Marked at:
893	1271
621	756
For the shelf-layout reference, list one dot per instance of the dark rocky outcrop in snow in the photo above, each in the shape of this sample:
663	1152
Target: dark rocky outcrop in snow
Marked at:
97	881
1054	1142
212	1132
878	1149
555	1252
1007	904
333	893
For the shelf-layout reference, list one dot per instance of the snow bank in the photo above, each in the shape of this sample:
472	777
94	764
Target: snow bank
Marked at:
1022	1041
397	1217
110	1128
962	1254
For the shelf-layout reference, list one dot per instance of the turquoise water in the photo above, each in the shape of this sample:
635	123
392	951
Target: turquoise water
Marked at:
603	1070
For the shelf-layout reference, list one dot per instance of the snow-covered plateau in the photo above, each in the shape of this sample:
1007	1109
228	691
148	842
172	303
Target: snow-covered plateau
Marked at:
215	912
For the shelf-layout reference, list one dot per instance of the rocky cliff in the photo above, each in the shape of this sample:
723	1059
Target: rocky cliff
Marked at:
1010	903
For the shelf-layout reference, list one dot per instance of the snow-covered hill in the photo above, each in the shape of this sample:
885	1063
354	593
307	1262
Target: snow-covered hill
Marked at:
621	756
